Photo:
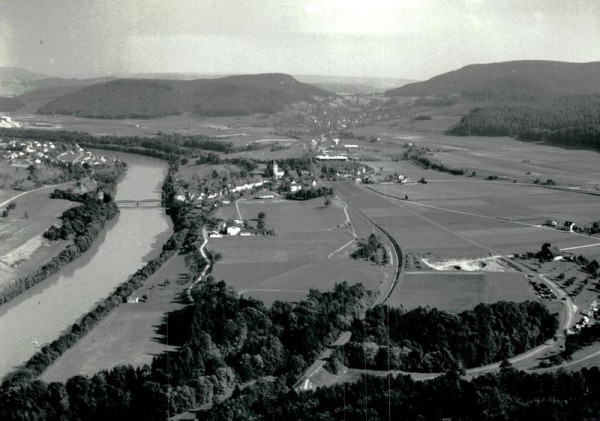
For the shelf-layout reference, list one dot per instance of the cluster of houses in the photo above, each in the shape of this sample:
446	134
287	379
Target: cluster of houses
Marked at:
7	122
30	152
332	150
217	189
34	152
232	227
567	226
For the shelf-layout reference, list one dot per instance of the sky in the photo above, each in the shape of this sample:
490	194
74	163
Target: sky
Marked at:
414	39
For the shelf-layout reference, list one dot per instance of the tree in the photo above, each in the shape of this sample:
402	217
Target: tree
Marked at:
327	201
261	216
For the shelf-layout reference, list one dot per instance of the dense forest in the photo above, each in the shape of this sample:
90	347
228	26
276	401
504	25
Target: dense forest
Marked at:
568	121
510	395
226	341
431	340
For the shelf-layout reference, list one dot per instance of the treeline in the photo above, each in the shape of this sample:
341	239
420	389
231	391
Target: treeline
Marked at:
431	340
312	193
49	353
163	145
84	222
571	121
418	155
509	395
231	340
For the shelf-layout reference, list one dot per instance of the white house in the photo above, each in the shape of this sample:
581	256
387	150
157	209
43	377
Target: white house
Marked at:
233	230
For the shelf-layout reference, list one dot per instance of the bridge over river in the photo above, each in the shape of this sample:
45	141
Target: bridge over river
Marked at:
146	203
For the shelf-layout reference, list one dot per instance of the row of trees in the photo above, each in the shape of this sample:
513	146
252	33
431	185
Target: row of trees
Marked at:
312	193
431	340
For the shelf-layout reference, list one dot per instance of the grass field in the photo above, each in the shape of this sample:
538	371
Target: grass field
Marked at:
455	228
280	248
287	265
456	292
295	216
526	203
129	334
204	171
22	247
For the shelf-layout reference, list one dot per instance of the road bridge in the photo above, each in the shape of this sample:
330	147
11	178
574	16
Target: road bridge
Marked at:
146	203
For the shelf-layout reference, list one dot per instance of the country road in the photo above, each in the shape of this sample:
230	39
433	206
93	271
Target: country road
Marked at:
203	253
33	191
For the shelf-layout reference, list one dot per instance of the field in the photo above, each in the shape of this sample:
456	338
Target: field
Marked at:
22	247
129	334
186	172
499	156
295	216
456	292
302	255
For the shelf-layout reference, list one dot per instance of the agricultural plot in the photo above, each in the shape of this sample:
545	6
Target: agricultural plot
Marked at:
453	224
518	202
287	265
280	248
204	171
22	247
295	216
128	336
456	292
501	156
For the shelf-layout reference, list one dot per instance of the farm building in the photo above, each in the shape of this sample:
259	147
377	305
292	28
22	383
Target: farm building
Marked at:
549	253
250	183
294	187
233	230
332	157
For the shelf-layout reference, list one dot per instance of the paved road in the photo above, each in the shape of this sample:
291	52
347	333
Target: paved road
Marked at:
33	191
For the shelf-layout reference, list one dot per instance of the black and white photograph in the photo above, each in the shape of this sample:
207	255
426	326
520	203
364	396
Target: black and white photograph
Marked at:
377	210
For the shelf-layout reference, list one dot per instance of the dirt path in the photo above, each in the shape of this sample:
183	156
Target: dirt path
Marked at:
203	253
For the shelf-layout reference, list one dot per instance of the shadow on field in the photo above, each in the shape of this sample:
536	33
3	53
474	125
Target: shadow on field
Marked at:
175	328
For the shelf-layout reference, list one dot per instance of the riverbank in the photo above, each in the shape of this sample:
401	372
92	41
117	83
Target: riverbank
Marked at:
46	311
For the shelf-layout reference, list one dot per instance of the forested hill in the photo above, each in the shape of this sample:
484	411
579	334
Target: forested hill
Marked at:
145	98
569	121
529	80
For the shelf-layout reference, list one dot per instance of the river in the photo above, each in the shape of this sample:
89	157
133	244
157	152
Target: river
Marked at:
133	237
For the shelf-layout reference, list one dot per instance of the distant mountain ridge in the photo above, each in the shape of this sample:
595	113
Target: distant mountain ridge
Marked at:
150	98
14	80
529	80
353	84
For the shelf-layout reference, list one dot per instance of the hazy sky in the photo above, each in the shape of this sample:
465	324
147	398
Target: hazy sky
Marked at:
393	38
